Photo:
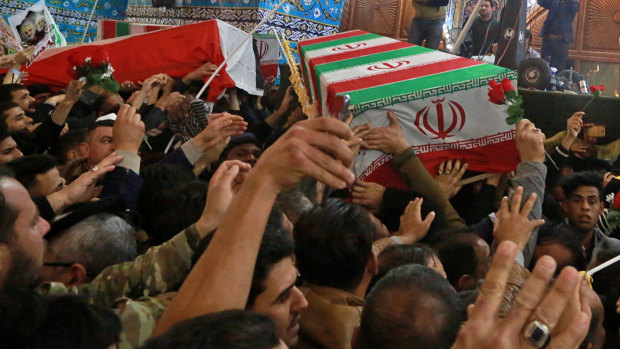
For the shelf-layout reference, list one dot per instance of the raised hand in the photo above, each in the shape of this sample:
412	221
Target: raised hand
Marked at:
448	176
128	130
73	91
222	126
484	328
313	148
390	139
368	194
530	141
412	227
222	187
513	224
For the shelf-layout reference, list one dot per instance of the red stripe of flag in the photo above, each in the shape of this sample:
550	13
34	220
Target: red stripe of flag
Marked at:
330	38
396	76
348	55
109	29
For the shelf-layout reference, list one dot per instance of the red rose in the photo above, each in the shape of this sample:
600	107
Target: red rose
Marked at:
597	89
507	86
496	93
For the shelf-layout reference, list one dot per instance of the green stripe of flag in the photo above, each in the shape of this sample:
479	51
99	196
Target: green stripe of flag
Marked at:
418	84
353	62
339	42
122	29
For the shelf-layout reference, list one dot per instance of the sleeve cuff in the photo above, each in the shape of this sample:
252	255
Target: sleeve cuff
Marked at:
130	161
191	151
402	158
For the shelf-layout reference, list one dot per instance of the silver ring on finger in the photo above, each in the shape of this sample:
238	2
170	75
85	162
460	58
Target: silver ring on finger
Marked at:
536	333
439	172
448	172
95	168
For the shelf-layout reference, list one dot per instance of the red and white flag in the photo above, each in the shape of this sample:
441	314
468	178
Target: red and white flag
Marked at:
175	51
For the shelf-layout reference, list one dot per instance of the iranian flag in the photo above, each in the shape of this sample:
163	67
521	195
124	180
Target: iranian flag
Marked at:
440	100
175	51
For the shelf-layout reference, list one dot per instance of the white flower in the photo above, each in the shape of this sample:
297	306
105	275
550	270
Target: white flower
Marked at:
87	60
83	78
317	13
110	70
105	75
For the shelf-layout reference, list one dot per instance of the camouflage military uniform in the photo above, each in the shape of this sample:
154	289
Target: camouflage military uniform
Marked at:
136	290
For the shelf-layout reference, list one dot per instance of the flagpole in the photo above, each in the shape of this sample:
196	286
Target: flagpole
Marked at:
89	19
204	87
604	265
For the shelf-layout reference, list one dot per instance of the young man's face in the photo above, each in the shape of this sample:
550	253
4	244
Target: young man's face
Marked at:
9	150
47	183
16	119
486	10
583	207
23	99
27	244
282	301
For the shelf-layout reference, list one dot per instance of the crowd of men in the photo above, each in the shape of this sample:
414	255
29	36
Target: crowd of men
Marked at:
134	219
484	33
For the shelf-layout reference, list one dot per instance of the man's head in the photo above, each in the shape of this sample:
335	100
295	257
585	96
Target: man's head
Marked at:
14	117
411	307
67	146
465	258
395	256
563	243
486	10
273	291
333	246
245	147
8	146
583	203
22	230
107	103
18	94
79	253
38	174
232	329
98	141
40	93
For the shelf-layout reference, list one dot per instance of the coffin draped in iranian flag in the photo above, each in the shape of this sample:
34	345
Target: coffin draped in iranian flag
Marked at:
440	100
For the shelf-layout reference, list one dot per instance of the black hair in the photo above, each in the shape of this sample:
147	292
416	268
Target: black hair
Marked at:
4	129
528	34
29	320
100	103
411	307
232	329
575	180
397	255
6	91
567	236
171	199
36	89
334	244
276	245
65	143
458	256
4	106
28	167
493	4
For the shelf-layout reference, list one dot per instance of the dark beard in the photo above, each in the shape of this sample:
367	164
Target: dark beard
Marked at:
23	273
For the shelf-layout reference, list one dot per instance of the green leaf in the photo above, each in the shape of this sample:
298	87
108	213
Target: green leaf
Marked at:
613	219
511	120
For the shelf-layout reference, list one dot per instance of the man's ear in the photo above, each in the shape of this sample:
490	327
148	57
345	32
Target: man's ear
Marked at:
84	149
74	154
466	282
373	264
74	275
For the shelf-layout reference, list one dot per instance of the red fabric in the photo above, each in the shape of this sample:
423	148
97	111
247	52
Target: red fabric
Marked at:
175	51
109	29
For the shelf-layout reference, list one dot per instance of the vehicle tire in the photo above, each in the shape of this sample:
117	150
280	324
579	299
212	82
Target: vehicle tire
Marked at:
534	73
